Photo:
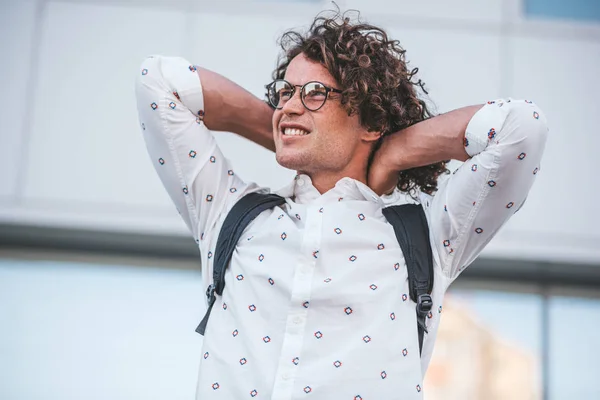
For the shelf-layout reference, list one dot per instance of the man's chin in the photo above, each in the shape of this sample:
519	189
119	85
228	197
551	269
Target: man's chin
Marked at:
291	161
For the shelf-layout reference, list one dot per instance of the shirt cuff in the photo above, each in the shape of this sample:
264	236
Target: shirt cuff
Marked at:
183	79
485	125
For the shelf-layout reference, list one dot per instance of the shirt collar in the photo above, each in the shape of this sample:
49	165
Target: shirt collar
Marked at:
303	191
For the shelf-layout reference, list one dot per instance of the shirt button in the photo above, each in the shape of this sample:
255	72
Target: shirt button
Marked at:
300	182
285	377
297	320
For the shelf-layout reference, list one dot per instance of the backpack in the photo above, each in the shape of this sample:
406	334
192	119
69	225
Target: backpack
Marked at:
410	227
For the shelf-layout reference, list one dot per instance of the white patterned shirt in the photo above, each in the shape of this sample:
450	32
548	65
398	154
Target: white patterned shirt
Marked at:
316	302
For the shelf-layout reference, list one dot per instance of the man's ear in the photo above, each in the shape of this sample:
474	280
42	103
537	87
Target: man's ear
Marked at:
371	136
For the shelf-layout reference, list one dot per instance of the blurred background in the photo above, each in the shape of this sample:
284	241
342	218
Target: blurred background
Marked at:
100	288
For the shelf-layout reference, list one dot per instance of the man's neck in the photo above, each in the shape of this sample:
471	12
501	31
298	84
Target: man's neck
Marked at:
325	181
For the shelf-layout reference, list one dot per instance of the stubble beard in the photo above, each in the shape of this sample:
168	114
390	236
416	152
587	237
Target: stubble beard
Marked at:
298	161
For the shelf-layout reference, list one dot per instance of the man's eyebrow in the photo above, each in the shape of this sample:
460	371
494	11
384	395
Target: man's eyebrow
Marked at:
331	85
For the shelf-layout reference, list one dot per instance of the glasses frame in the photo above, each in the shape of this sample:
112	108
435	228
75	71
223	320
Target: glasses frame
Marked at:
328	90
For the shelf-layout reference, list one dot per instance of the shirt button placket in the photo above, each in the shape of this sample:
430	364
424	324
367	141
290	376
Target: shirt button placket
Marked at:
293	337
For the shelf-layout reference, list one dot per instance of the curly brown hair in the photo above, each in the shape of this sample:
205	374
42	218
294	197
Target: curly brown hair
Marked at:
374	76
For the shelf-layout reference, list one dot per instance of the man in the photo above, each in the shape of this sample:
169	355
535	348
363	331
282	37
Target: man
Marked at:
315	303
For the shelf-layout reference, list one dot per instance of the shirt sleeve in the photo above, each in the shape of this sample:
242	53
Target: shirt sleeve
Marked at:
196	175
505	139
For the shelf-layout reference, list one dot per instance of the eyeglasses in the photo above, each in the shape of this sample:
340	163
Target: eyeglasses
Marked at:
312	94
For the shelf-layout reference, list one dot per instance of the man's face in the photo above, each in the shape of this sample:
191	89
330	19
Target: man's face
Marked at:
333	137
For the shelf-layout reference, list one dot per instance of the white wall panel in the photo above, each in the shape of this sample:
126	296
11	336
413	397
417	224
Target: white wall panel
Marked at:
86	143
17	27
86	161
560	215
462	10
458	68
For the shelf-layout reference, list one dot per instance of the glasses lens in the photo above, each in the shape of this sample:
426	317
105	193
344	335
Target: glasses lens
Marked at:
279	92
314	95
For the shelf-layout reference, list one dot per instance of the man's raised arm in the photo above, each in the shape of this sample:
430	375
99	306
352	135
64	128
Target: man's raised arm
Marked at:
177	104
502	144
231	108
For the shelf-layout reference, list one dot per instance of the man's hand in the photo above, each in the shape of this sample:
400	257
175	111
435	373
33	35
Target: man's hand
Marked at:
383	173
427	142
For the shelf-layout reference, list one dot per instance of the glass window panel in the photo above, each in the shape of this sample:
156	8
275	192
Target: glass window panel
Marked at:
574	355
488	347
584	10
127	332
72	331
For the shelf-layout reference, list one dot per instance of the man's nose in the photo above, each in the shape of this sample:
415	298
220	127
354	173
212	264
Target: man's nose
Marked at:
294	104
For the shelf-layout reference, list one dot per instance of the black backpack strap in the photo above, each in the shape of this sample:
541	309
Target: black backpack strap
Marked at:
242	213
412	232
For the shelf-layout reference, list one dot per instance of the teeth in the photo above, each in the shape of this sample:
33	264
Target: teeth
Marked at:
294	132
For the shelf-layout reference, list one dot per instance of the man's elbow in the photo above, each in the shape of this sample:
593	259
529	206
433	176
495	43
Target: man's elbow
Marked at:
530	121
